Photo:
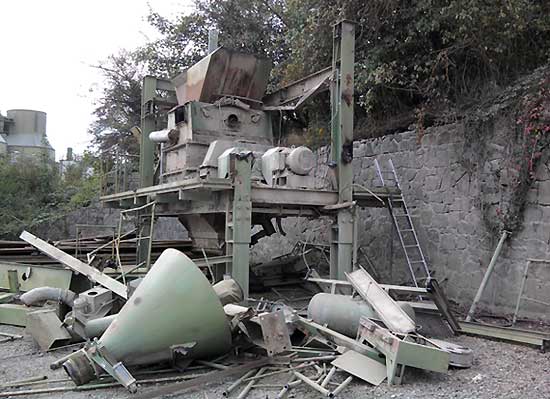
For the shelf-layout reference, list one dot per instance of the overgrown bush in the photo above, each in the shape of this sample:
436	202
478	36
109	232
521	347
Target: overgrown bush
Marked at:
32	192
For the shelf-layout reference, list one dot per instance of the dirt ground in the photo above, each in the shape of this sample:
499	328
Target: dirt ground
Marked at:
500	370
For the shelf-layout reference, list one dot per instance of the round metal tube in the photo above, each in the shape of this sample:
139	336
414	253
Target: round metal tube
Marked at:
248	387
328	377
312	384
160	136
342	313
237	383
41	294
96	328
341	387
486	276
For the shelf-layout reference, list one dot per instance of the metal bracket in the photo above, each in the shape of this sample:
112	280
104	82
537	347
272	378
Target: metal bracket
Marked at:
99	355
400	352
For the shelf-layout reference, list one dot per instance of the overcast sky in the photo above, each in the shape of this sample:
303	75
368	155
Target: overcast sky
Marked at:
46	48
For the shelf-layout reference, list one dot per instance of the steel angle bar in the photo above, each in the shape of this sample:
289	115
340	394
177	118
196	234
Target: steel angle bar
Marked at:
393	316
76	265
337	339
400	352
535	338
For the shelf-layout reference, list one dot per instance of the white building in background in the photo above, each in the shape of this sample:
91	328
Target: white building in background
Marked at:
23	133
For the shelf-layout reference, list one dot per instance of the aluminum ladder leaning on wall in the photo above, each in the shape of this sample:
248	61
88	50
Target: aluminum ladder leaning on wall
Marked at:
404	225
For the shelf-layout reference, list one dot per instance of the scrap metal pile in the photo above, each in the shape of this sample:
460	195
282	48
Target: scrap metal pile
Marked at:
176	319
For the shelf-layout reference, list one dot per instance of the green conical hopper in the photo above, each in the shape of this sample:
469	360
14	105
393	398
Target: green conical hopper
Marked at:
174	305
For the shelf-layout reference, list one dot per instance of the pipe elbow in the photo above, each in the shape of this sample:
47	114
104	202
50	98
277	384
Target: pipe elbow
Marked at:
40	294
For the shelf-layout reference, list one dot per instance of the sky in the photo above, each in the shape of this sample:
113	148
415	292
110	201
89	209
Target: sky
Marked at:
47	47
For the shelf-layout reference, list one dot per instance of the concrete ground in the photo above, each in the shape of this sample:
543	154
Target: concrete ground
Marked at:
500	370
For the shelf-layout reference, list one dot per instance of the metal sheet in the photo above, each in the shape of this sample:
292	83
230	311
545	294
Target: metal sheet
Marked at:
389	311
224	72
361	367
15	315
402	352
46	329
39	276
275	332
296	93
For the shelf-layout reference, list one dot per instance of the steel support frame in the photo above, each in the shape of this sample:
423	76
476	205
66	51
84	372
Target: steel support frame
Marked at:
342	233
400	351
238	222
149	123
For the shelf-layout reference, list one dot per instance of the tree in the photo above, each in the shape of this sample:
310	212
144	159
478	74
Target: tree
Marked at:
118	106
415	61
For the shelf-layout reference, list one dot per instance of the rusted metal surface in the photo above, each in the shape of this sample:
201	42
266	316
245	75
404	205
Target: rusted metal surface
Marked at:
292	96
222	73
275	332
46	329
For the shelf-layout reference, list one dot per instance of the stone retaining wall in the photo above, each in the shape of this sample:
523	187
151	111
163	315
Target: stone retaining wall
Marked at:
444	200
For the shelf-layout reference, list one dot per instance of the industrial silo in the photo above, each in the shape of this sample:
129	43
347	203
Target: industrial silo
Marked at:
27	134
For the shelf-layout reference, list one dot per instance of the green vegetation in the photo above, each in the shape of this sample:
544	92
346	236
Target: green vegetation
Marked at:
422	62
33	192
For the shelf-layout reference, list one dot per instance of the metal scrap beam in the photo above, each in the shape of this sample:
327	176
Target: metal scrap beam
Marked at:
535	338
75	264
393	316
342	234
292	96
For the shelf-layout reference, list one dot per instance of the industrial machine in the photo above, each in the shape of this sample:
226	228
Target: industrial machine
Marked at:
218	169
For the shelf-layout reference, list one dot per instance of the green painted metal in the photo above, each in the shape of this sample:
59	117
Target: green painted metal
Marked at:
148	125
529	337
150	121
240	225
15	315
13	281
343	59
173	305
401	351
6	297
33	276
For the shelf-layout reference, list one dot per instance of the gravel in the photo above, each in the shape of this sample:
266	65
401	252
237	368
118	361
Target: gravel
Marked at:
500	370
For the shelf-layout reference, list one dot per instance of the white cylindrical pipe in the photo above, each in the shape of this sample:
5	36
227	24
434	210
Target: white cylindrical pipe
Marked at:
160	136
40	294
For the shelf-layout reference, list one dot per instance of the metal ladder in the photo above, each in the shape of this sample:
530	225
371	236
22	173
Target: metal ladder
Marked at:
404	225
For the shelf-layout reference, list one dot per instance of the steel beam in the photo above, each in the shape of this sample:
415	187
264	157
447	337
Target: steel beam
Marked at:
343	59
13	314
75	264
239	222
32	276
401	352
529	337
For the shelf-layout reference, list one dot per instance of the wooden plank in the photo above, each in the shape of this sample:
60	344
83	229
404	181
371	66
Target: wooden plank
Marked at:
76	265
